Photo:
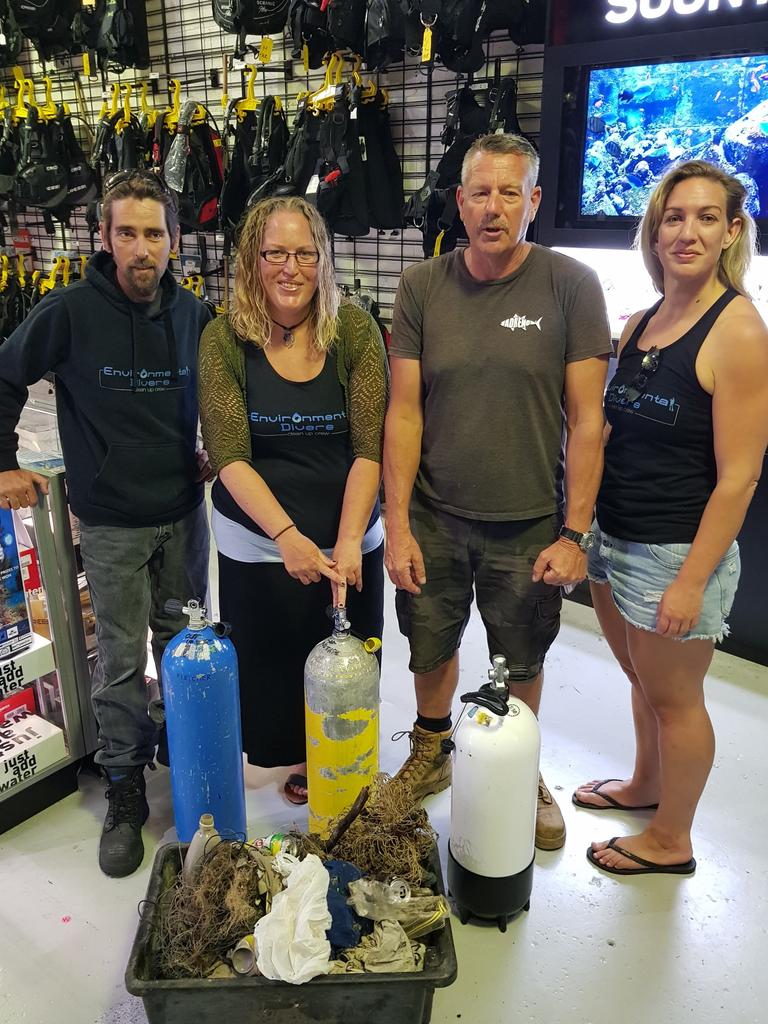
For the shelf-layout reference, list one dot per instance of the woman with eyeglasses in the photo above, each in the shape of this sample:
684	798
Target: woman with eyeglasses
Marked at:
293	390
687	416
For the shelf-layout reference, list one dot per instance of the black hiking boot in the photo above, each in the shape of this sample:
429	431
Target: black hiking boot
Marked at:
121	849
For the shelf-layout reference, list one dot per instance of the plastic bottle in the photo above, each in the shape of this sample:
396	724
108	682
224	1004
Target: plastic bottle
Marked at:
203	841
277	842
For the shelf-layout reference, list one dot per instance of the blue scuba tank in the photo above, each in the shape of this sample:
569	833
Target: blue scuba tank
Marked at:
202	712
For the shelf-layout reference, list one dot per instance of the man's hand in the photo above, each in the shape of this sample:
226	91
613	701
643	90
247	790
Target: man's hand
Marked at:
404	561
679	609
205	472
17	488
561	564
304	560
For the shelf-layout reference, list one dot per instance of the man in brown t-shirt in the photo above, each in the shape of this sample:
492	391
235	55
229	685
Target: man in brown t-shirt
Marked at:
499	351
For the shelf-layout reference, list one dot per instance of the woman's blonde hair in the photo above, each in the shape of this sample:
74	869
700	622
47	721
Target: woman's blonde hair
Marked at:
249	316
735	260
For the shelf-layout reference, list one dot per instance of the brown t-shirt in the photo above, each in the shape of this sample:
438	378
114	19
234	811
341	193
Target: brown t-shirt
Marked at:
493	357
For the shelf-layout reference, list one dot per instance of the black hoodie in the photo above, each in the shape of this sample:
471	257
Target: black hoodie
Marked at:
126	395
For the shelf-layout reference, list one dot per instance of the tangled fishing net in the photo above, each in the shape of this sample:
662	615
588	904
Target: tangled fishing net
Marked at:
390	836
198	923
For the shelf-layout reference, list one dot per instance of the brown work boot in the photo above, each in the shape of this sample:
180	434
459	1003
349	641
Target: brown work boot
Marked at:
550	827
427	769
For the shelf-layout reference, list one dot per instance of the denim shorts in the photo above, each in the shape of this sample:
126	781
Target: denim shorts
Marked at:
639	574
495	559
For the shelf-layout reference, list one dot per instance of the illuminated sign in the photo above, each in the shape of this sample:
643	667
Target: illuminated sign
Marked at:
624	11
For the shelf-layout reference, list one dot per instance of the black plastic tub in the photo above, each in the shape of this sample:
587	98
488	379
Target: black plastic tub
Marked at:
331	999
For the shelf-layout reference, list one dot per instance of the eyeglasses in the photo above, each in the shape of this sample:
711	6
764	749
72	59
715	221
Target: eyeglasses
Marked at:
133	174
638	384
304	257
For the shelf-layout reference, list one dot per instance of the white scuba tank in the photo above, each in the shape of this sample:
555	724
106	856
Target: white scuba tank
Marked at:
493	802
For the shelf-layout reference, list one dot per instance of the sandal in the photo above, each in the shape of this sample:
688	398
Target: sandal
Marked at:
293	784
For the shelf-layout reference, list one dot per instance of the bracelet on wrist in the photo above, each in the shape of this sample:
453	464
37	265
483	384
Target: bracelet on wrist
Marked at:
285	529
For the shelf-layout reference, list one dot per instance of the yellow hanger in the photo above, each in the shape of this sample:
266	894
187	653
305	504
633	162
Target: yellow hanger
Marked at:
5	265
48	283
125	120
20	110
324	97
83	260
21	270
48	110
3	102
172	113
150	113
65	267
249	101
171	118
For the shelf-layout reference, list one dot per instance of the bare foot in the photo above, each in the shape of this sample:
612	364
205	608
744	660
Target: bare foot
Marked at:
643	845
624	791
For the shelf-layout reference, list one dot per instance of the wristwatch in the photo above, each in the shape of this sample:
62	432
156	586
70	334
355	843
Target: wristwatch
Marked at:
584	540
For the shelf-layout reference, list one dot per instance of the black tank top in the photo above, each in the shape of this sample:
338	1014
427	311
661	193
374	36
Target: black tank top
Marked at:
300	445
660	460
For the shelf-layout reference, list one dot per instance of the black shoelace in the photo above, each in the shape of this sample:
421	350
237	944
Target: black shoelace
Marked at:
125	799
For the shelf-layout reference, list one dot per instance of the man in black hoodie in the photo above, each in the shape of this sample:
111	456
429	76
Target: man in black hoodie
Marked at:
123	345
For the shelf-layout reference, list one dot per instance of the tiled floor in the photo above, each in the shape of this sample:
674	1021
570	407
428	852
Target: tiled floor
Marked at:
593	950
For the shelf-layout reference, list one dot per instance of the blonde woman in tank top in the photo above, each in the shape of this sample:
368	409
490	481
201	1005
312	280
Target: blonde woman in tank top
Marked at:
687	431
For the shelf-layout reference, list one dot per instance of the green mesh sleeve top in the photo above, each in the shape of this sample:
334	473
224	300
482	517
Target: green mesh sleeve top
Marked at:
363	373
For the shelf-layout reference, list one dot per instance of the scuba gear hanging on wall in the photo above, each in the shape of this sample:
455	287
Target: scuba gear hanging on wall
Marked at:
340	195
308	20
525	20
341	156
14	300
346	24
461	27
470	113
123	39
47	24
250	17
382	173
82	187
9	157
384	33
41	178
86	25
192	162
259	151
10	34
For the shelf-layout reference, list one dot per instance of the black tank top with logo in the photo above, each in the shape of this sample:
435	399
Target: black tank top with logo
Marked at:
300	445
660	460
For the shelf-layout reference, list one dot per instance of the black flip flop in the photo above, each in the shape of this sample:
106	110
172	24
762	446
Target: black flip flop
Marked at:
299	782
612	804
646	867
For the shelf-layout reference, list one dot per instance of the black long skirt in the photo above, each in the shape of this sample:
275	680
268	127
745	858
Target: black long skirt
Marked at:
276	621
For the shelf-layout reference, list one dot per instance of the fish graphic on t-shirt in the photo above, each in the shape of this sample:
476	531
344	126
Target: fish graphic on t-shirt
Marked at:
522	322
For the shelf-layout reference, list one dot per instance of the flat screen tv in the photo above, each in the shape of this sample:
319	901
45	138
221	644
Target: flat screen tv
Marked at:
640	119
616	115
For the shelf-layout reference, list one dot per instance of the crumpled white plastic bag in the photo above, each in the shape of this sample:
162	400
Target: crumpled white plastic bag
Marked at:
291	944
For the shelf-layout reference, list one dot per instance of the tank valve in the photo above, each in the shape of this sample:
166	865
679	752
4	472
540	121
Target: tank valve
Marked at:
341	623
499	674
196	611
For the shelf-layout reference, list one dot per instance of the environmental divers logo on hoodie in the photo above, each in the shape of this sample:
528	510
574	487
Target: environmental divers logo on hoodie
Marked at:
116	378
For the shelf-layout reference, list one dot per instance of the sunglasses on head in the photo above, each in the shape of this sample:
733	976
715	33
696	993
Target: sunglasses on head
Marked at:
132	174
639	382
